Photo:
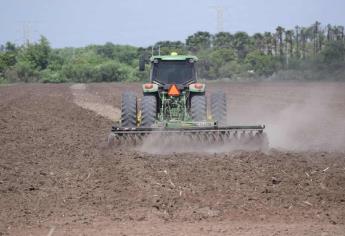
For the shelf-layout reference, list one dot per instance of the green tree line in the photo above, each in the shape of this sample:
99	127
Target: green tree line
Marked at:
314	52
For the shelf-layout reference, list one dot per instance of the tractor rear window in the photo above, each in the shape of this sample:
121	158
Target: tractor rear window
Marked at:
173	72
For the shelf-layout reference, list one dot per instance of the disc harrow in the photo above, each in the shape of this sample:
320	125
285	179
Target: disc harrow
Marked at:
233	137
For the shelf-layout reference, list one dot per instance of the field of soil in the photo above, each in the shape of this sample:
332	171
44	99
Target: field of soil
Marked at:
58	177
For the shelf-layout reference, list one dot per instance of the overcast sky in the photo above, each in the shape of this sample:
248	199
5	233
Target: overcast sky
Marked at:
141	23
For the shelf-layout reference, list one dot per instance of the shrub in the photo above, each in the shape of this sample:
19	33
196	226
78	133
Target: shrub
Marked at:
3	80
49	76
21	72
114	71
105	72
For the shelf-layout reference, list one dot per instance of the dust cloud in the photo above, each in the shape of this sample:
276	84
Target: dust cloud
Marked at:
160	144
298	117
316	123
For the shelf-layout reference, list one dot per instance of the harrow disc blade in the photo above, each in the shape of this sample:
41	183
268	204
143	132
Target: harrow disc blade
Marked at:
234	137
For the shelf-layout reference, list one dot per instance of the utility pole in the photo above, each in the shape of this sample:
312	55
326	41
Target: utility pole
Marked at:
220	17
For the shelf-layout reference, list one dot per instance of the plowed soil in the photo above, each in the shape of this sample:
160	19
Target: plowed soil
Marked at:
58	177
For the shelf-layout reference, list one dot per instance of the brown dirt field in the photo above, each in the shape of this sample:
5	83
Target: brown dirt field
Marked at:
57	176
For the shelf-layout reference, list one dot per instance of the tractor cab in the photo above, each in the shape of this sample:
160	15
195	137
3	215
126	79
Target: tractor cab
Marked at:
173	69
173	83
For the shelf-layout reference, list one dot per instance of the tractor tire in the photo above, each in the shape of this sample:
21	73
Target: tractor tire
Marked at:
219	108
198	108
129	110
148	111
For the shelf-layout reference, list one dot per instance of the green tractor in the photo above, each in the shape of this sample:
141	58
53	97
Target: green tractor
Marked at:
175	103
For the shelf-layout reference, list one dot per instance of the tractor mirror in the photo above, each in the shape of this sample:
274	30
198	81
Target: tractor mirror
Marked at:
142	63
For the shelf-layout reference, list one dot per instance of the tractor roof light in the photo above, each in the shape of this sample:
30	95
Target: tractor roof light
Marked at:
173	91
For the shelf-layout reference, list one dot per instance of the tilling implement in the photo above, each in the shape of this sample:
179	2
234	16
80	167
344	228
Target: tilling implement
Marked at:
174	108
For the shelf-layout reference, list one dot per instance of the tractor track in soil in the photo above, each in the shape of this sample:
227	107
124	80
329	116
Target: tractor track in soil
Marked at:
57	176
94	102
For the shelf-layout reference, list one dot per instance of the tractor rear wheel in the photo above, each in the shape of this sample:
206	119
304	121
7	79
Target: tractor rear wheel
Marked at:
198	108
148	110
219	108
129	110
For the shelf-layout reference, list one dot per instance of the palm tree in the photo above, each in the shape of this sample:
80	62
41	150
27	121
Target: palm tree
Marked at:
316	37
259	42
223	40
329	33
241	44
340	32
279	31
321	37
199	41
289	42
275	44
297	41
303	41
268	39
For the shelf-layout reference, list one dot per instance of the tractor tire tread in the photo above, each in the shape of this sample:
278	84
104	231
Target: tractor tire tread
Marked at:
198	108
219	107
128	110
148	110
